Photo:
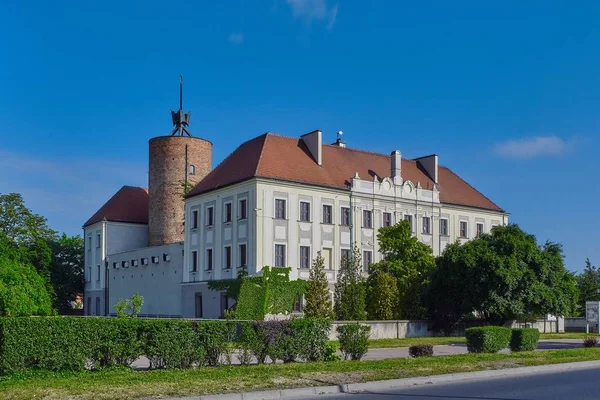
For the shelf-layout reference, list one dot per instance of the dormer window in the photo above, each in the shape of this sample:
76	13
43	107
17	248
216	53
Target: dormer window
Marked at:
192	169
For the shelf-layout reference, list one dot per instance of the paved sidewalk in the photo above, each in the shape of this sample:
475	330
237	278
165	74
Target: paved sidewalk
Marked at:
402	352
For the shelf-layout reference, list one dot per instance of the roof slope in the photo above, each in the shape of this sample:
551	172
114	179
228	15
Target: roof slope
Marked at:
129	204
279	157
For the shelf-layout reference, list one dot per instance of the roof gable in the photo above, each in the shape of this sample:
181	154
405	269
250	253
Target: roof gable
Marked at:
129	204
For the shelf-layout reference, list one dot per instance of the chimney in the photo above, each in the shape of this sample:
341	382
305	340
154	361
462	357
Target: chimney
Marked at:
396	167
314	142
430	165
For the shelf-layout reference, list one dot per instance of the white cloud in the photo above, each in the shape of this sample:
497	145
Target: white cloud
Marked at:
314	10
533	147
236	38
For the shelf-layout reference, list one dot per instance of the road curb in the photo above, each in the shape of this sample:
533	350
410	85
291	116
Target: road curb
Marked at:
392	383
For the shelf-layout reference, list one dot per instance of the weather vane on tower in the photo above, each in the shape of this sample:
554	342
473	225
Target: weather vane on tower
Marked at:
181	120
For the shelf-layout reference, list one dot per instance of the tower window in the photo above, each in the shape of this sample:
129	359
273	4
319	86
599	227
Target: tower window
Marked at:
192	169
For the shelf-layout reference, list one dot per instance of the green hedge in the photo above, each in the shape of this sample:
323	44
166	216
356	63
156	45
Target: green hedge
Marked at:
524	339
487	339
72	343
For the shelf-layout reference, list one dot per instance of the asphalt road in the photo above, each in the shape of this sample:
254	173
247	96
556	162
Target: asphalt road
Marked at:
569	385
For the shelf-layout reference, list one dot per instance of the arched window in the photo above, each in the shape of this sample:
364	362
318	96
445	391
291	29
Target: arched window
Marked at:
192	169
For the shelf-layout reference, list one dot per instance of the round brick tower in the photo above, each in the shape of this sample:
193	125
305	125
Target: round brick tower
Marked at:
174	160
177	164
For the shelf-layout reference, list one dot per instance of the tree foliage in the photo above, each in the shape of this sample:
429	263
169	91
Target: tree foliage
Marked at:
500	276
410	263
22	290
350	294
588	283
129	307
318	297
66	270
382	296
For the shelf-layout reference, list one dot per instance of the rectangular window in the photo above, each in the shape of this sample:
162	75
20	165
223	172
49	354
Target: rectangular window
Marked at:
115	265
194	261
227	212
367	260
304	211
209	259
224	304
426	225
97	305
304	257
155	260
345	254
242	255
97	240
327	210
345	216
227	257
298	306
463	229
89	243
98	275
279	208
479	229
89	306
280	255
408	217
367	219
145	261
198	305
242	209
209	216
195	219
134	263
444	227
89	276
387	219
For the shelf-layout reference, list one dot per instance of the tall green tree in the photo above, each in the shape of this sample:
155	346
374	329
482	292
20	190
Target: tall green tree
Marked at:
350	293
501	276
410	262
382	296
318	297
588	283
66	270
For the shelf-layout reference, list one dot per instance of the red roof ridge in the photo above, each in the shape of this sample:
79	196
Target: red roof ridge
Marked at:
262	148
472	187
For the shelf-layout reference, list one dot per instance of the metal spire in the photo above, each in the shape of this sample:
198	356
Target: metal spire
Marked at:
181	120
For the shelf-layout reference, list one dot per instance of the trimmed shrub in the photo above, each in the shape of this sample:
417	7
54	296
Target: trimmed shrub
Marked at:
590	341
171	343
421	350
331	353
215	337
354	340
118	341
312	337
487	339
524	339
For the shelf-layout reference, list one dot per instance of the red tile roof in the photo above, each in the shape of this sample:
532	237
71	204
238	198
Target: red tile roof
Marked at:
278	157
129	204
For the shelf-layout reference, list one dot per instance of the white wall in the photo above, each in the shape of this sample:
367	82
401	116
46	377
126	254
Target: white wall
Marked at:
159	284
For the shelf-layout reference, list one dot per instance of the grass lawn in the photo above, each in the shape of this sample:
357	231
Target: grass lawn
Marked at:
129	384
406	342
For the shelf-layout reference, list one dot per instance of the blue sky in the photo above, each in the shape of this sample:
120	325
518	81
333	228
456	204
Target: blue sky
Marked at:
507	94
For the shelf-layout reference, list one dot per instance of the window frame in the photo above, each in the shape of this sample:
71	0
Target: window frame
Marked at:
98	275
447	230
460	229
227	212
195	219
283	255
477	225
304	215
194	267
98	240
370	219
209	259
243	209
306	258
244	253
228	257
283	210
210	216
328	220
365	266
343	252
385	223
426	225
345	213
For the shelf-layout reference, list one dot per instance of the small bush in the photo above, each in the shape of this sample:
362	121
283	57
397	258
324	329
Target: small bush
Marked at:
171	343
118	343
331	353
487	339
524	339
590	341
421	350
215	337
354	340
312	337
